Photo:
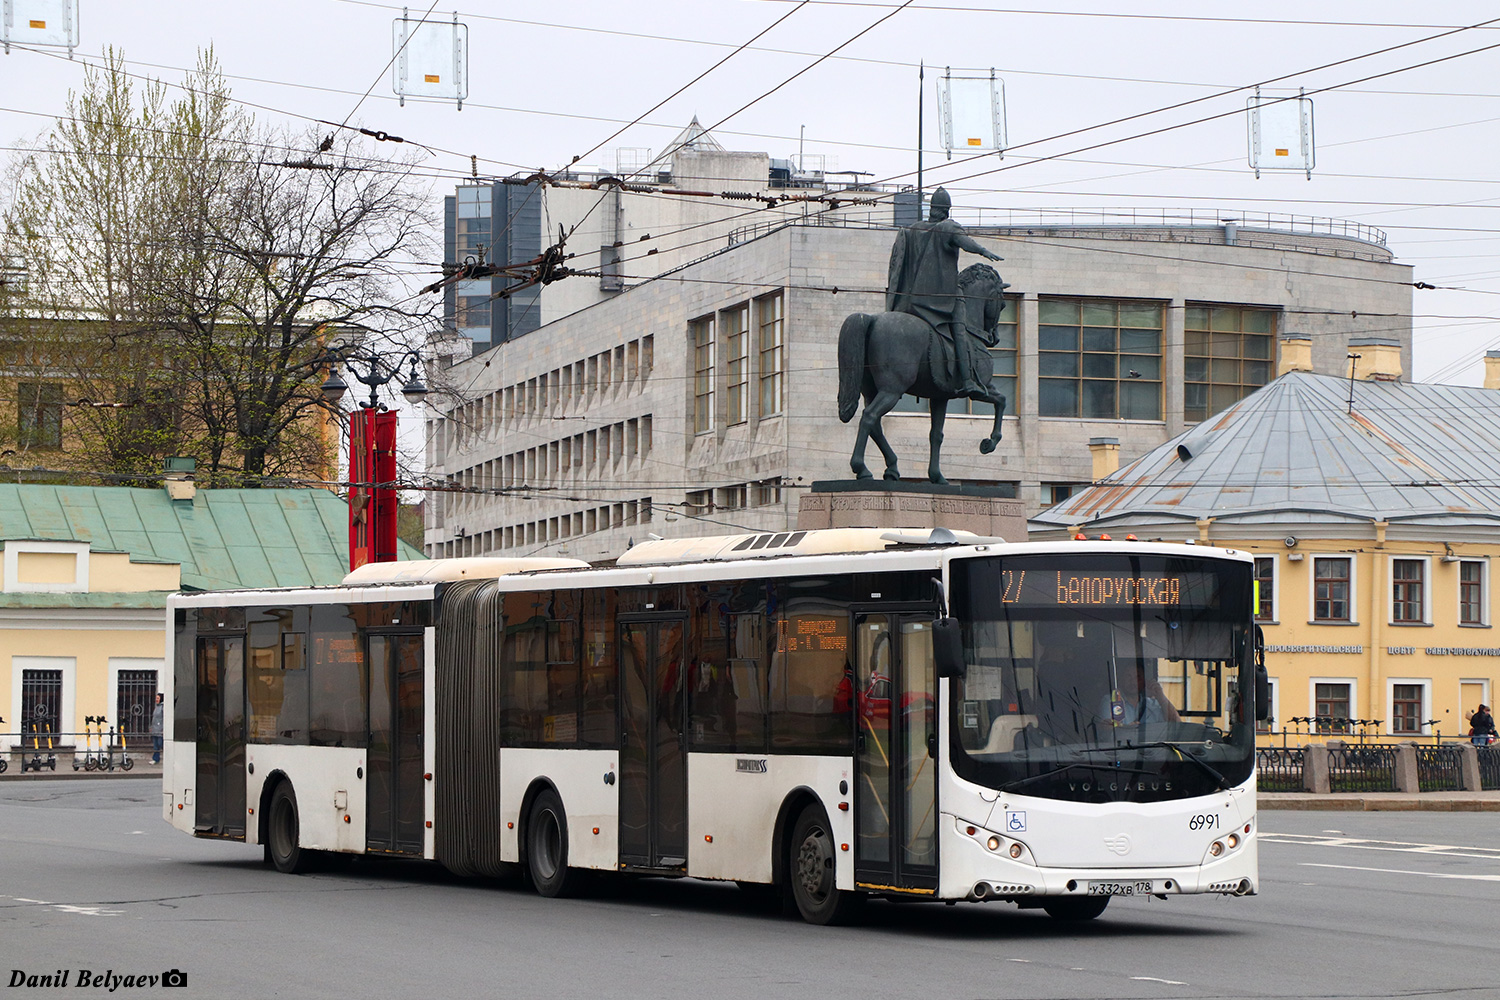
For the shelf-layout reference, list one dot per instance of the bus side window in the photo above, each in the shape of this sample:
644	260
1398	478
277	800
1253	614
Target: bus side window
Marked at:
598	724
338	699
812	682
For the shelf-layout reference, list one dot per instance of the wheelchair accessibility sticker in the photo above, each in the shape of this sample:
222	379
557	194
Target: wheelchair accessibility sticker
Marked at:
1015	822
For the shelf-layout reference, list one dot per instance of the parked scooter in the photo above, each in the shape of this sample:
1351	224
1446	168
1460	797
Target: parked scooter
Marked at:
89	761
36	763
108	760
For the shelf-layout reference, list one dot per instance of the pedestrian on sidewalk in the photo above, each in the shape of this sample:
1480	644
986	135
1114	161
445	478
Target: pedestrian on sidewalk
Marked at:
1482	727
157	712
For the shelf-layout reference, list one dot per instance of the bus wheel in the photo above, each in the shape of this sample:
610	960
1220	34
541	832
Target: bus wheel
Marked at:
1076	907
281	830
810	867
547	847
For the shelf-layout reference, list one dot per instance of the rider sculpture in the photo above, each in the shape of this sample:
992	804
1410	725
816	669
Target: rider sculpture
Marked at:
930	343
924	283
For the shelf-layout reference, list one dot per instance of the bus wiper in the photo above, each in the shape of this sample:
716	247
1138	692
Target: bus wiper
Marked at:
1011	786
1176	745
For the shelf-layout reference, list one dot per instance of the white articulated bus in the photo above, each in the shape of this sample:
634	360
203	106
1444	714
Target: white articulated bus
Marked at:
842	714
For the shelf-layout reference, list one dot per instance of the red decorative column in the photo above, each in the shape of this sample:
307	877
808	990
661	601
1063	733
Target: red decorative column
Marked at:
372	494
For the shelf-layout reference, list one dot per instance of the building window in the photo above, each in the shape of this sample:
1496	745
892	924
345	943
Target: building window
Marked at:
41	707
1471	592
771	322
1227	356
1058	492
1331	590
39	415
1099	360
698	502
736	364
474	227
765	493
1406	590
1331	707
1406	708
472	311
1265	585
702	334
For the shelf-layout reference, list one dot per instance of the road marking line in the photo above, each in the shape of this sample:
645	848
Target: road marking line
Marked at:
1399	871
1153	979
1394	846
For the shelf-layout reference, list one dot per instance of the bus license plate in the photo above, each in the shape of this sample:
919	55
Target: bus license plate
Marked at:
1120	889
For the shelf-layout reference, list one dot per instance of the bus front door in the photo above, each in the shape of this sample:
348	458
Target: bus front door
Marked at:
653	754
219	808
395	792
895	796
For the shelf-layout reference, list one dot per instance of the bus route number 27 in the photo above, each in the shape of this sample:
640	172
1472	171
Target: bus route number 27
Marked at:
1204	821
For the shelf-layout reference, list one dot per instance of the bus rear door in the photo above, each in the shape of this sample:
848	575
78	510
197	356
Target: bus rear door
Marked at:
895	754
394	793
219	808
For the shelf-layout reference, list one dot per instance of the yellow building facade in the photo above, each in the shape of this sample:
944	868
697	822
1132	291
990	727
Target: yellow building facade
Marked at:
1372	508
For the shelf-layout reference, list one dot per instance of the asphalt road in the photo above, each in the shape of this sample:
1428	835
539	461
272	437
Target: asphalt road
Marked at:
1353	905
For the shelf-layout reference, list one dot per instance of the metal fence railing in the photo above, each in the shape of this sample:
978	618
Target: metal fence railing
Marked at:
1279	769
1362	768
1439	768
1489	767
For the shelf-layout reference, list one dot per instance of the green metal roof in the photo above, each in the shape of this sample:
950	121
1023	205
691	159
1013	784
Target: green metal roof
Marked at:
223	539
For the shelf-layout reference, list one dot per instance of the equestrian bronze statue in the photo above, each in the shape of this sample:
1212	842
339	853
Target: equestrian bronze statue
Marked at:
932	343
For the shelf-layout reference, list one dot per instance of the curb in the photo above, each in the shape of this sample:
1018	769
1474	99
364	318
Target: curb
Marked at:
1358	803
71	775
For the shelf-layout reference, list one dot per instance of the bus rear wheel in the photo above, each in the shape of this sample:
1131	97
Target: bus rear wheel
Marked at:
811	865
547	847
282	831
1076	908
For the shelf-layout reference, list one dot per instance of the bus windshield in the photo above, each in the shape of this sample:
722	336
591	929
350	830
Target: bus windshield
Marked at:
1104	677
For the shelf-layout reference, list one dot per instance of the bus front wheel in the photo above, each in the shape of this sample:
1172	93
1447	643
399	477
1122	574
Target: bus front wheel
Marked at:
1076	908
811	866
282	828
547	847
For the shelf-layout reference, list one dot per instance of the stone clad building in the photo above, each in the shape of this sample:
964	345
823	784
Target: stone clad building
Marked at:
703	399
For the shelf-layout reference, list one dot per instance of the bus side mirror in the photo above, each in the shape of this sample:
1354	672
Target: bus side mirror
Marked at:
1262	678
948	647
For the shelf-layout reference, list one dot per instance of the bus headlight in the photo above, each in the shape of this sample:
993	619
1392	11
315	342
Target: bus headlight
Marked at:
993	843
1217	849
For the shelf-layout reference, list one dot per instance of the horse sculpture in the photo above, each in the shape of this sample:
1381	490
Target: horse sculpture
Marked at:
886	355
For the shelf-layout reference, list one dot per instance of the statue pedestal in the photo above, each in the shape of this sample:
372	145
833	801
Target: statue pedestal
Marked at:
864	503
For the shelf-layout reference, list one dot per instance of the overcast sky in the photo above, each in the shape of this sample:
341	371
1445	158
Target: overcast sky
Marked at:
1412	152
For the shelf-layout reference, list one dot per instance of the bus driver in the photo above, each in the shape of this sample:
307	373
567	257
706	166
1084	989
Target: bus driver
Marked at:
1137	700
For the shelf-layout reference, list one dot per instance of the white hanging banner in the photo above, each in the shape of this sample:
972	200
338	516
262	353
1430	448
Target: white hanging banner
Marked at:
431	59
39	22
972	110
1281	133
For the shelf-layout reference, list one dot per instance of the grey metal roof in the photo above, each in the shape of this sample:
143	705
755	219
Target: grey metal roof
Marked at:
1295	450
